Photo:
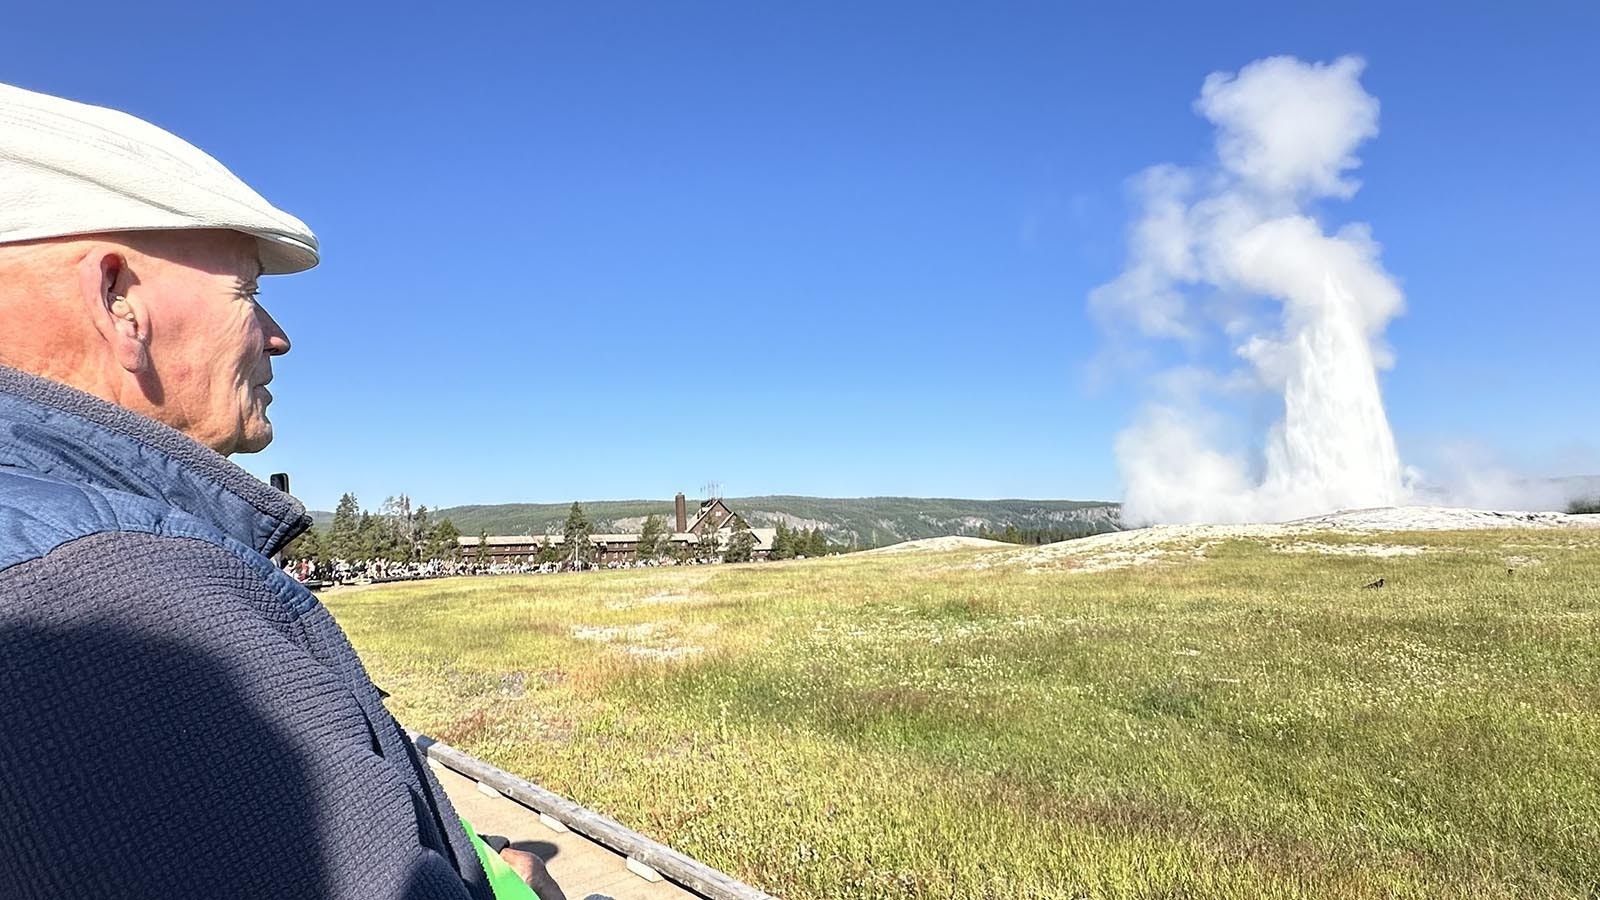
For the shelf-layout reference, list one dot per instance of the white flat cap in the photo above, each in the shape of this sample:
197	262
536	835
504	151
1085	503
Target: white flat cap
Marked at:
69	168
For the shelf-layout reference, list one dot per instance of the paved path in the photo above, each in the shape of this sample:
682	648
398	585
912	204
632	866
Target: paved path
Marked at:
584	869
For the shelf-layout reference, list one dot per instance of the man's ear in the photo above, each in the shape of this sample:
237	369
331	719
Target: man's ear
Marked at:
108	288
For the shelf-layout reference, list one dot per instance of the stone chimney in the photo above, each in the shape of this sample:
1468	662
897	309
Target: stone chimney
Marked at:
682	507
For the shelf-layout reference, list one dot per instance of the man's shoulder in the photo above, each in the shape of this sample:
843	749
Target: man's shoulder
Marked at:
183	581
40	513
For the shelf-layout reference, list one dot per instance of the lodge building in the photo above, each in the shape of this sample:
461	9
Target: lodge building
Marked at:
713	518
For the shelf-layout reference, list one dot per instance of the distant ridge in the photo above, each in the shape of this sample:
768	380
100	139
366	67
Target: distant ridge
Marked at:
860	521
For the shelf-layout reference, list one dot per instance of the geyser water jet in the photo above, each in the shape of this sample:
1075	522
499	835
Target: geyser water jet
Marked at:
1231	256
1335	449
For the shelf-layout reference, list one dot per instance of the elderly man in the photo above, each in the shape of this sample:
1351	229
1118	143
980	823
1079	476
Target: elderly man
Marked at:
177	717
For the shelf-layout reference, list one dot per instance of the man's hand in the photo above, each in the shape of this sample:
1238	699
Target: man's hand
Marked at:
533	872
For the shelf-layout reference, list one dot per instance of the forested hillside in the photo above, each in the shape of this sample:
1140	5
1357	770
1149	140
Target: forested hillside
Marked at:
858	521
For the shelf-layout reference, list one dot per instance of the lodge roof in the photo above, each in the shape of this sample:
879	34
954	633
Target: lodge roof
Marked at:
706	506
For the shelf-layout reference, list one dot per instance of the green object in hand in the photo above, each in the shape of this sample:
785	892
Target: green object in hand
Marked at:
505	881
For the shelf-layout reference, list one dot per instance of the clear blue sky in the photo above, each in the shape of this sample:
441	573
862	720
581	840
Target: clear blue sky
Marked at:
609	250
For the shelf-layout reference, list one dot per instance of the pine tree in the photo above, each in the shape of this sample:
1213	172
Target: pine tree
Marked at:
342	533
421	531
816	543
366	543
650	537
783	542
710	545
548	553
740	547
576	532
444	541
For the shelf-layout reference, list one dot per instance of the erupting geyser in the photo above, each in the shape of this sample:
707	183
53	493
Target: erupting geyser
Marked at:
1230	255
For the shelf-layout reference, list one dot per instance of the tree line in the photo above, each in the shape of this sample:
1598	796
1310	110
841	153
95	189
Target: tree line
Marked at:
397	532
1011	534
400	532
792	542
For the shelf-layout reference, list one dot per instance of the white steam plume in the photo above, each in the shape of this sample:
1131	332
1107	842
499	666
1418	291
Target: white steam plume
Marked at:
1232	252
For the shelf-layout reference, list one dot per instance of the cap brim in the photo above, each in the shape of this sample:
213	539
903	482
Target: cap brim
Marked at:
283	255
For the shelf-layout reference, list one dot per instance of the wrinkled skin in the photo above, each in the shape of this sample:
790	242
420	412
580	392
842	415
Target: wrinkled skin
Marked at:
164	323
211	343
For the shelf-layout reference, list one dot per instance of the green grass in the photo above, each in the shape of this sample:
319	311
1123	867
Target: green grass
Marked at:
1248	724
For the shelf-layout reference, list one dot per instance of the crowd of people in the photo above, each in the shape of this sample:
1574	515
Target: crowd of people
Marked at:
341	571
321	573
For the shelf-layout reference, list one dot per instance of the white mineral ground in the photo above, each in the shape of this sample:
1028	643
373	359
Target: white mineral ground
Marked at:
953	542
1139	546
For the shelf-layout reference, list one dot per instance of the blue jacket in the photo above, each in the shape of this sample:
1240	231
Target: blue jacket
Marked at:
179	719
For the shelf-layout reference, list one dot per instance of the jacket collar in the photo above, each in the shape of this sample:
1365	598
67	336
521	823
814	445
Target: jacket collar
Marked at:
49	428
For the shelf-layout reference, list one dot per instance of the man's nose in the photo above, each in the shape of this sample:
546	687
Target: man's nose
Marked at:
277	338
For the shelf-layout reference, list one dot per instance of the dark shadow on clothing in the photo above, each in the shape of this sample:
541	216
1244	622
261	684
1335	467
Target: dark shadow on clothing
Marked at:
135	767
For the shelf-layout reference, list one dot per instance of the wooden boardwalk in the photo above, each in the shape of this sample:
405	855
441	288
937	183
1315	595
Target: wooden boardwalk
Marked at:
584	869
590	857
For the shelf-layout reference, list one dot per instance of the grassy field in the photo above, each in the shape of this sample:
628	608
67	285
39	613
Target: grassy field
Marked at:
1242	723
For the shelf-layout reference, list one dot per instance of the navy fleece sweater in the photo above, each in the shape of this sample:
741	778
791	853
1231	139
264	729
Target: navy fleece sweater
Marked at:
178	719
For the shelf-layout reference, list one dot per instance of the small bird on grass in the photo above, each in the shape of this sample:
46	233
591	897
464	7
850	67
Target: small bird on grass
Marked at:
1373	584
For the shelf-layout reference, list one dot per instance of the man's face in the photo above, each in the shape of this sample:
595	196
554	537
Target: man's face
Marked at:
211	342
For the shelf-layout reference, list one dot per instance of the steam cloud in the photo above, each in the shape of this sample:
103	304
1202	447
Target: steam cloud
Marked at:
1231	253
